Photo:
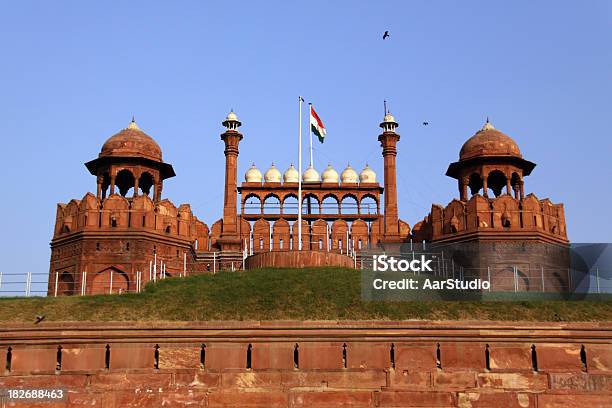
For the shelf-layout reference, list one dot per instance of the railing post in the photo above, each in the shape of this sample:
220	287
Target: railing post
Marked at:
542	273
110	288
515	280
214	262
597	277
569	280
489	276
83	283
0	283
56	279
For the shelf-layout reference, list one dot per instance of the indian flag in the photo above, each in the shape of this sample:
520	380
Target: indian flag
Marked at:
316	125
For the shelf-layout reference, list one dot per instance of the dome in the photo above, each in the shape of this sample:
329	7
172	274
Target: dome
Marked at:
272	175
311	175
388	117
291	175
253	175
349	175
367	175
231	116
489	141
330	175
131	142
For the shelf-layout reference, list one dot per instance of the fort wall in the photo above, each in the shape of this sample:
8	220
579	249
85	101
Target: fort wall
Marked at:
313	364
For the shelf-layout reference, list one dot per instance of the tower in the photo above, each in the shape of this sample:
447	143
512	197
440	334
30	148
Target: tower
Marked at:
388	140
130	159
230	237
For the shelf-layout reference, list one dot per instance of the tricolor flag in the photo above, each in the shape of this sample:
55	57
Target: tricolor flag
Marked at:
316	125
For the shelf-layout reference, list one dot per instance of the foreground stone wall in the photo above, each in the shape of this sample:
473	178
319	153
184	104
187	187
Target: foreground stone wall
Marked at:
335	364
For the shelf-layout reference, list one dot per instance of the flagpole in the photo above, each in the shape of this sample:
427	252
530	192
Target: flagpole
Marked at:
300	178
310	131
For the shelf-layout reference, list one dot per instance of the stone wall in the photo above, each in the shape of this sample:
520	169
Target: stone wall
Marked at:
298	259
357	364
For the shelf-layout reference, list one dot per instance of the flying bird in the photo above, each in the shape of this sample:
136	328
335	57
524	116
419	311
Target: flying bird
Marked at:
425	123
386	35
39	318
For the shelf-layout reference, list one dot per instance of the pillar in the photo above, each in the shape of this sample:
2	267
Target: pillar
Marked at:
136	183
463	186
112	185
230	238
99	190
388	140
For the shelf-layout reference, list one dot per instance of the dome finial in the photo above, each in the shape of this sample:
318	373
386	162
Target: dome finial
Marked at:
488	125
133	124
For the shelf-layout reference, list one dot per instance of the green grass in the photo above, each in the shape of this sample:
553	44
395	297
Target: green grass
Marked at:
284	294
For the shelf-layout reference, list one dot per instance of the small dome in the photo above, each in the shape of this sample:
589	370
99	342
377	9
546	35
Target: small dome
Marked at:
291	175
253	175
388	117
489	141
273	175
349	175
231	116
131	142
311	175
329	175
367	175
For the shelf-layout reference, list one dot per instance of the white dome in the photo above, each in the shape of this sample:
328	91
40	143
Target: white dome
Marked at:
253	175
291	175
311	175
389	117
367	175
272	175
231	116
349	175
330	175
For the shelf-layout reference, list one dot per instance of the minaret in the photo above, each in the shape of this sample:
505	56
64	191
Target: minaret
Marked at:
230	238
388	141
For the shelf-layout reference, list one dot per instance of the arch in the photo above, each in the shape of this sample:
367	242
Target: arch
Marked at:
311	205
65	284
349	205
251	204
101	283
290	204
496	181
330	204
368	204
272	204
145	182
475	183
124	180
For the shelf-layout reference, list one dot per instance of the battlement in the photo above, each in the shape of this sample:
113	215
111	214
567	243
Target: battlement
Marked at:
138	214
505	216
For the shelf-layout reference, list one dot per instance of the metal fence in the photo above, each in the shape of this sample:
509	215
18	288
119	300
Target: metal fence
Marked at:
504	277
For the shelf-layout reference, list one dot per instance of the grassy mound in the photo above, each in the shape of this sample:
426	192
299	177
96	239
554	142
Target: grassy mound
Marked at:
284	294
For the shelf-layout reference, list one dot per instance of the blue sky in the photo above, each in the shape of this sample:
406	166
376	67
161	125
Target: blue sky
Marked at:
73	73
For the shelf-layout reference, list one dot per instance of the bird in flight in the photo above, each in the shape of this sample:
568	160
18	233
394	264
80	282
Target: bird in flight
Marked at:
39	318
386	35
425	123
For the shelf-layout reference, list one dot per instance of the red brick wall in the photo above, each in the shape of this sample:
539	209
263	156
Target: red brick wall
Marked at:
433	364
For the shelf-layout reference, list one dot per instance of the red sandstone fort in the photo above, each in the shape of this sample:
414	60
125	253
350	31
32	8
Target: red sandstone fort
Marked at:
108	241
